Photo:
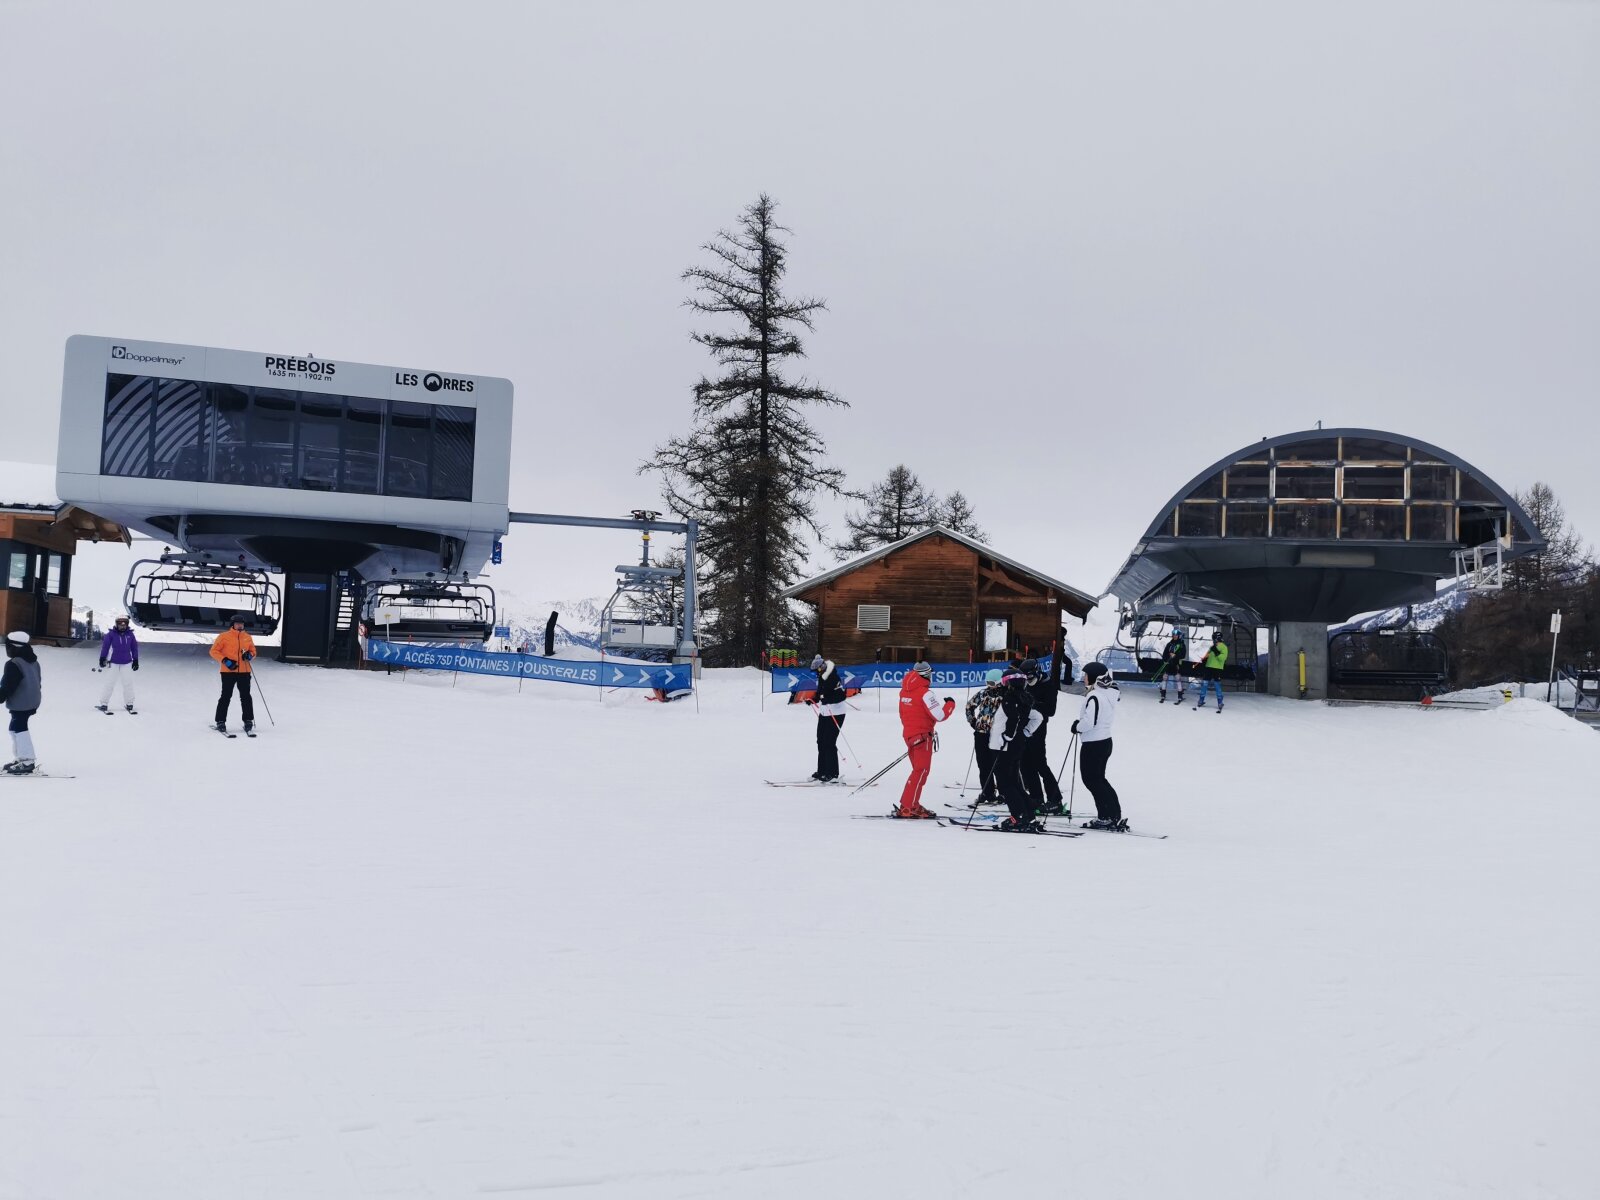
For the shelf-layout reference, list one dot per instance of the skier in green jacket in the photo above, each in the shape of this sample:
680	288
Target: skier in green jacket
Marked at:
1211	671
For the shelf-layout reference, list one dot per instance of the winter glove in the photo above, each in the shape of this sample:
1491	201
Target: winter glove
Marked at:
136	664
230	664
949	707
1074	727
102	664
249	654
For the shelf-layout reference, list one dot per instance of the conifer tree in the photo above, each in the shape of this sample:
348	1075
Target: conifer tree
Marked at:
752	464
956	513
896	507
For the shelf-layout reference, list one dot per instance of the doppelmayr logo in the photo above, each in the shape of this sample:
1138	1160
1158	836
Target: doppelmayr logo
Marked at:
123	352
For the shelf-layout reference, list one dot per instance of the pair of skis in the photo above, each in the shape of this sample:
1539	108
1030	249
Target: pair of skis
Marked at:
110	712
985	817
249	733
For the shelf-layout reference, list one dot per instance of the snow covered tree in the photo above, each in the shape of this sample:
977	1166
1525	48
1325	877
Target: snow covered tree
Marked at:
956	513
752	464
895	508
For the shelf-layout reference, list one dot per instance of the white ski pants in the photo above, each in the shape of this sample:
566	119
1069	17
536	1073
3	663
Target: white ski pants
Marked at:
117	673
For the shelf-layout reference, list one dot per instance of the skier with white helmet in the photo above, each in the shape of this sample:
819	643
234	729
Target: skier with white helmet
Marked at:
1093	728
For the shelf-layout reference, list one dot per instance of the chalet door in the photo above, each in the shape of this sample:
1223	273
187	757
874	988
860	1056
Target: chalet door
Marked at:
41	593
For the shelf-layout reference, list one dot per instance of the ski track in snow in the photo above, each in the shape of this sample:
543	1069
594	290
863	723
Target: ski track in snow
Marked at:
430	937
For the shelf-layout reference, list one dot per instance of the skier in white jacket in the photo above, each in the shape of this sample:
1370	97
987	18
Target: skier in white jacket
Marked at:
1093	728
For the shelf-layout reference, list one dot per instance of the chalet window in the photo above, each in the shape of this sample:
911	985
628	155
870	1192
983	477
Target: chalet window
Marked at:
872	618
996	634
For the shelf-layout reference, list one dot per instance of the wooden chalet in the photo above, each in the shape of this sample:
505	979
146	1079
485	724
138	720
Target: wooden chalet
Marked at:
38	537
937	595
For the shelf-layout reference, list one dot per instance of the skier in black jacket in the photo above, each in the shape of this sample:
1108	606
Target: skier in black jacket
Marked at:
831	710
21	689
1037	777
1014	723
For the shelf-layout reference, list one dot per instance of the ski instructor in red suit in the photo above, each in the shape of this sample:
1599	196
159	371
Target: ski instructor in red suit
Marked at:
919	713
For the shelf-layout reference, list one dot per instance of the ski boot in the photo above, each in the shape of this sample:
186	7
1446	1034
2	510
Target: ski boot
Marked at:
1012	825
23	766
1120	825
916	814
250	728
220	726
103	708
1053	810
131	709
1163	697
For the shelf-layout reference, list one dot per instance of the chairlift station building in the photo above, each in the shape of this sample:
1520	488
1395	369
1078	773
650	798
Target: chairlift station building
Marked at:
317	468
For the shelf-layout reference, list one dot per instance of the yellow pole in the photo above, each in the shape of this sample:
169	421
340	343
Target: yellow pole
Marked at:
1302	657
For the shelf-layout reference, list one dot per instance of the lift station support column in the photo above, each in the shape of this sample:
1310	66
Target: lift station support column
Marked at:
1289	639
687	650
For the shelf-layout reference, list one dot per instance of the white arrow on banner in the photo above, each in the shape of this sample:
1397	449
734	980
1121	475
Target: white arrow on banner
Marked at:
616	674
847	677
790	680
644	676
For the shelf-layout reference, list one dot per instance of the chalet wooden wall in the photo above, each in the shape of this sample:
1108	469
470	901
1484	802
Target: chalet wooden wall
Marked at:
19	609
935	578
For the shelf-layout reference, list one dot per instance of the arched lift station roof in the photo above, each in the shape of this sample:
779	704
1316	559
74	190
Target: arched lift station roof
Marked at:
1317	526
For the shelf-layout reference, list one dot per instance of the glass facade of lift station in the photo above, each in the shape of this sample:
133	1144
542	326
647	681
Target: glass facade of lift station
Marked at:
1339	488
183	429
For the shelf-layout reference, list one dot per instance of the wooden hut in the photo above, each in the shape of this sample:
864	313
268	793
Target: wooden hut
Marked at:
38	537
937	595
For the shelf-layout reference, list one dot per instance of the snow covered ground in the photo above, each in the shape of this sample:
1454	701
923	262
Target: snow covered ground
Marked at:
435	938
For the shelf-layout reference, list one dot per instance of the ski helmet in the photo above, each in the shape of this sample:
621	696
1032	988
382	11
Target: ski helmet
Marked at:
993	675
1095	672
1029	667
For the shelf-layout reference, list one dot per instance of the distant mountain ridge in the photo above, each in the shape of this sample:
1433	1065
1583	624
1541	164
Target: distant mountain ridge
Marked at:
577	622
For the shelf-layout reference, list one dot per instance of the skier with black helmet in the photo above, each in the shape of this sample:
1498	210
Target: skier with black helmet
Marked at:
1014	724
1093	728
1173	655
234	651
1037	777
21	688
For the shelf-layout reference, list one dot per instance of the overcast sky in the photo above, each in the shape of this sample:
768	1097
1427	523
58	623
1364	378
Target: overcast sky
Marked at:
1072	253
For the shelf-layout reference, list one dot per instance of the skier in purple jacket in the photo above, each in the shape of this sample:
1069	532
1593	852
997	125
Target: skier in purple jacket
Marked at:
119	655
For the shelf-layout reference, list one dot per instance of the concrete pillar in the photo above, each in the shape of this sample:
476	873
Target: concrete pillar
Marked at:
1283	659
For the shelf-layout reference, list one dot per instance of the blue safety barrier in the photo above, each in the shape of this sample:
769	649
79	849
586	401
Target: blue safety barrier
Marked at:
608	673
890	675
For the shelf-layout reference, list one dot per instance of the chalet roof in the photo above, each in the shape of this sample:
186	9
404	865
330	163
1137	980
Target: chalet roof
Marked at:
1074	598
30	488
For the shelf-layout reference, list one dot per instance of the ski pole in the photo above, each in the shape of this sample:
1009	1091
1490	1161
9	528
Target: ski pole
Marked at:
1072	784
260	694
885	771
968	773
840	729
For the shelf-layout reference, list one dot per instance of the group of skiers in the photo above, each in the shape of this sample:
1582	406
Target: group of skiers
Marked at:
1009	717
22	684
1175	659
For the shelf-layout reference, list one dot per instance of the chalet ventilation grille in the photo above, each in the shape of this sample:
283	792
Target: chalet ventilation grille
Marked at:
872	618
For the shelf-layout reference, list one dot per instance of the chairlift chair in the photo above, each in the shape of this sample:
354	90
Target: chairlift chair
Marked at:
184	594
430	610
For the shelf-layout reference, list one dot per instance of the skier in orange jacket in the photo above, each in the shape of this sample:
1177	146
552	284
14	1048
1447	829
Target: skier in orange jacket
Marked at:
235	650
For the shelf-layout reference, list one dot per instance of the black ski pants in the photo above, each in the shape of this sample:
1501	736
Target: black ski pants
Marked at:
1023	804
985	760
1037	776
1092	758
230	681
828	730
